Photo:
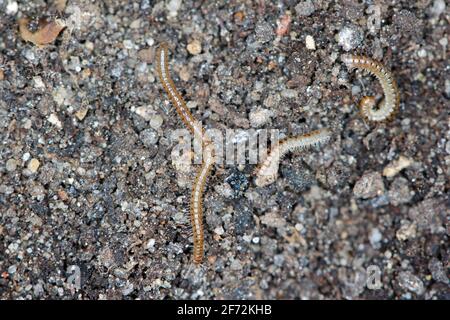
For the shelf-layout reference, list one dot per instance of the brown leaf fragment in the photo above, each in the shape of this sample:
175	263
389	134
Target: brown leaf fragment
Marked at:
45	35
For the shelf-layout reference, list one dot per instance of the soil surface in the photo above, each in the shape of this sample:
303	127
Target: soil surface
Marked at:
92	206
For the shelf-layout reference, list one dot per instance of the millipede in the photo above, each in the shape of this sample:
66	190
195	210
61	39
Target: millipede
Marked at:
267	172
368	107
196	209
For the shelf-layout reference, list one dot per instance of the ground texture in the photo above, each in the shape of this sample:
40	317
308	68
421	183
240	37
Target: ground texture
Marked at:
88	190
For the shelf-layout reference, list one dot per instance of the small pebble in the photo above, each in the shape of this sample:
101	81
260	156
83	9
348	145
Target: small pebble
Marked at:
12	7
278	260
219	231
149	137
192	104
405	21
406	231
447	88
128	44
396	166
89	45
151	245
410	282
145	112
29	55
349	37
194	47
38	83
136	24
61	95
369	185
26	156
437	270
273	219
173	6
12	269
305	8
53	119
283	25
289	93
11	165
310	43
146	55
156	121
128	289
438	7
236	265
33	165
263	32
375	237
259	117
399	191
80	114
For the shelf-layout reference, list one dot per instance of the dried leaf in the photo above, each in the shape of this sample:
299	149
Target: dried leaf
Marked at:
45	35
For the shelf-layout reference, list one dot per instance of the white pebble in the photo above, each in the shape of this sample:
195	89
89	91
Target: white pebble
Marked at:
438	7
145	112
26	156
12	7
173	6
128	44
38	83
53	119
219	231
151	245
310	43
349	37
12	269
375	237
11	165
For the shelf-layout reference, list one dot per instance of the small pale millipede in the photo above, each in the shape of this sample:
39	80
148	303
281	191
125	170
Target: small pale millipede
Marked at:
369	109
267	171
195	127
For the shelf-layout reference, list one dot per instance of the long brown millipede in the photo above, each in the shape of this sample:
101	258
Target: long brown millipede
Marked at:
195	127
368	106
267	171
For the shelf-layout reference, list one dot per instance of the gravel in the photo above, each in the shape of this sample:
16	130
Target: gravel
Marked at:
369	185
350	37
305	8
410	282
89	190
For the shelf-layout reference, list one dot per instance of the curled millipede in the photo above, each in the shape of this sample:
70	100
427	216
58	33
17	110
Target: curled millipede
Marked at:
368	106
196	210
267	171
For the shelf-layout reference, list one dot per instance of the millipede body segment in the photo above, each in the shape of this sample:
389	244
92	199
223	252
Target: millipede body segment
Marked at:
195	127
267	171
368	107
